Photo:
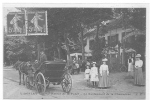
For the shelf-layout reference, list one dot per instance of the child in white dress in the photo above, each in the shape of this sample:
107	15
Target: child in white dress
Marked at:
87	74
94	74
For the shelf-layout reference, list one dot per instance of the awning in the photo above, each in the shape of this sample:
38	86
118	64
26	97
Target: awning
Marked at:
129	50
136	32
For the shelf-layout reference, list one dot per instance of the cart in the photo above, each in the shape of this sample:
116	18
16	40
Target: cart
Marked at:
54	72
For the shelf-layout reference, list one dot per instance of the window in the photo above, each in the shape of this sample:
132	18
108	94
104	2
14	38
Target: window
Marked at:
113	40
91	43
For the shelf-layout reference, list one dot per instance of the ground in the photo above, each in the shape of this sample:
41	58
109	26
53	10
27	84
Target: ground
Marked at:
122	87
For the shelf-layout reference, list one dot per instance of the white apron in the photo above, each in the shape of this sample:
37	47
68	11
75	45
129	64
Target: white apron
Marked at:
94	74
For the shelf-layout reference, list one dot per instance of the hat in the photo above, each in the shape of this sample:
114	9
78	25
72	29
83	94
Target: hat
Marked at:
104	59
94	63
138	56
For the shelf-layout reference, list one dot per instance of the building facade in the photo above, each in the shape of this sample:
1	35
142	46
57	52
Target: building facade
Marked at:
114	38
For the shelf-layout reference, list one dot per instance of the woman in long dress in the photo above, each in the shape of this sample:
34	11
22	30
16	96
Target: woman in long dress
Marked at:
103	76
130	67
138	79
94	74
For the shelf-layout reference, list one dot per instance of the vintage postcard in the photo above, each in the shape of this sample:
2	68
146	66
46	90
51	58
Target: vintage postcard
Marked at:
74	51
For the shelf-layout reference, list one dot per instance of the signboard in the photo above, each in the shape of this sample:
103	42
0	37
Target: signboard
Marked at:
16	24
27	23
37	23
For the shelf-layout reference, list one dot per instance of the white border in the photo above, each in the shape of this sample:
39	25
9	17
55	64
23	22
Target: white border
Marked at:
78	5
86	3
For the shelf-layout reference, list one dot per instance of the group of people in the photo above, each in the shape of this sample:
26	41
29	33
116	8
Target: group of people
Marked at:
100	76
135	70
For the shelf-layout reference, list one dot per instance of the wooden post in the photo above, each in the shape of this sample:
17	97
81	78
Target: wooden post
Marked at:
123	47
67	47
38	50
123	43
123	54
110	48
83	51
97	31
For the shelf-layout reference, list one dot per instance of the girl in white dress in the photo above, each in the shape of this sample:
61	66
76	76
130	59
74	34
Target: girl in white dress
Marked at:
94	74
87	74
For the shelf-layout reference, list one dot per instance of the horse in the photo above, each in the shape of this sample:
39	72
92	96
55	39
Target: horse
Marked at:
17	64
23	69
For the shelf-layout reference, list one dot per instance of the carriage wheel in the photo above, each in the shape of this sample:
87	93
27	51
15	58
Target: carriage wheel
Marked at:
27	83
40	83
66	83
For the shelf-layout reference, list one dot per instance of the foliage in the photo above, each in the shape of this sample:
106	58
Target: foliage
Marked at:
138	43
69	20
135	17
97	49
72	21
18	48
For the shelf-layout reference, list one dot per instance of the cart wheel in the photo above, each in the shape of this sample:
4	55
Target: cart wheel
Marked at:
27	83
40	83
66	83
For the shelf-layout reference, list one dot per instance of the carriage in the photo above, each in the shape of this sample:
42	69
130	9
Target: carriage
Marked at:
50	72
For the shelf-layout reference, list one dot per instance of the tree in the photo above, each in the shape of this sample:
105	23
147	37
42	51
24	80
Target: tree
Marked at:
18	48
99	44
134	18
60	22
70	20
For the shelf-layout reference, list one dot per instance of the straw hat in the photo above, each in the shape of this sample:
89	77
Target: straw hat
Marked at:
138	56
104	59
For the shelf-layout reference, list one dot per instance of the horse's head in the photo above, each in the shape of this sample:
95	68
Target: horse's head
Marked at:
17	64
26	67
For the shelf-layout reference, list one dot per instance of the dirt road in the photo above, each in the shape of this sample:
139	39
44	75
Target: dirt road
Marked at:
121	88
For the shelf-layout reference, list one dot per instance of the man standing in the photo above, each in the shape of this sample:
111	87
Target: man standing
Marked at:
43	57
